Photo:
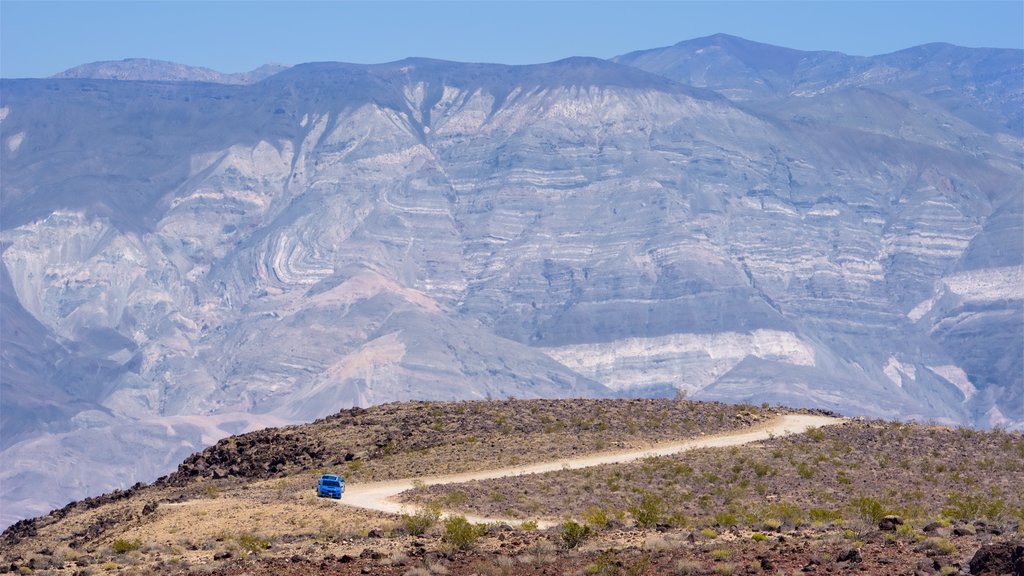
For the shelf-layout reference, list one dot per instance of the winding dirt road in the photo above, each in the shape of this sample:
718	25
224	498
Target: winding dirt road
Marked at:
379	495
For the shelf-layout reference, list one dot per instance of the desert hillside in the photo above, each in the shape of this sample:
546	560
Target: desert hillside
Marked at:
858	496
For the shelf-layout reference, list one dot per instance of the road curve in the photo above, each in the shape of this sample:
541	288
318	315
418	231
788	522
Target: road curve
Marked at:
378	495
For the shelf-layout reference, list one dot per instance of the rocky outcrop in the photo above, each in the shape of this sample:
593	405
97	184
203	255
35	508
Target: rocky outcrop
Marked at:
998	559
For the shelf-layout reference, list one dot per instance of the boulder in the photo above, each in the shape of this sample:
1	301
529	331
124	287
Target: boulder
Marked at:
997	559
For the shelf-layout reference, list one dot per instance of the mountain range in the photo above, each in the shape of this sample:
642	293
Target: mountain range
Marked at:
188	254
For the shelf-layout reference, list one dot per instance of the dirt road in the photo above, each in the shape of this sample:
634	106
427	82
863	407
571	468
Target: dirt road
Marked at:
378	495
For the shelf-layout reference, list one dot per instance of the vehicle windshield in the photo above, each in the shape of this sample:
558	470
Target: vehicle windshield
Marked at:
331	483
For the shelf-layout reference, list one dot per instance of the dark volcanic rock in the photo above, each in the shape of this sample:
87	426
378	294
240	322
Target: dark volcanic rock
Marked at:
998	559
851	555
889	523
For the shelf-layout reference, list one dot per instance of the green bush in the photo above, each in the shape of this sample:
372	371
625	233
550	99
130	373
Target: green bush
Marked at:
941	546
460	533
122	546
967	507
597	518
816	434
676	520
784	511
726	520
424	518
648	511
870	510
761	469
573	534
252	543
805	470
825	515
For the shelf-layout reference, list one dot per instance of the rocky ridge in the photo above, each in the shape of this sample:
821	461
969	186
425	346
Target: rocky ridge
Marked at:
868	496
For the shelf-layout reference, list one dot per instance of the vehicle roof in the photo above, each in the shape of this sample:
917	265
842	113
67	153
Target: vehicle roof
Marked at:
330	477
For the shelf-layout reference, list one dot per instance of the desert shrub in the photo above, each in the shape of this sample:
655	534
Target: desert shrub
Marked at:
825	515
606	564
253	543
905	530
528	525
460	533
805	470
424	518
573	534
676	520
597	518
761	469
721	553
939	545
726	520
965	506
758	537
456	499
541	552
727	569
648	511
122	546
870	510
816	434
709	533
638	566
784	511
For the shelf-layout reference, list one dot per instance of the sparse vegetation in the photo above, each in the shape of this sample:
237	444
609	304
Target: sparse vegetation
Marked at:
528	525
738	504
596	517
648	511
460	533
870	510
422	520
939	545
814	478
253	543
123	546
573	534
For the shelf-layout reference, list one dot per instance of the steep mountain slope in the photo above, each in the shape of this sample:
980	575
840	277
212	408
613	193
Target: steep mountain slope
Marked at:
981	86
198	259
966	101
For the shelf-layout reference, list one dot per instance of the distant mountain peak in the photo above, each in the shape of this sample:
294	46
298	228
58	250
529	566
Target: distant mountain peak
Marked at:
146	69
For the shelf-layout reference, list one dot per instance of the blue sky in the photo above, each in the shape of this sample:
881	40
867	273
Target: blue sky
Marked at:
40	38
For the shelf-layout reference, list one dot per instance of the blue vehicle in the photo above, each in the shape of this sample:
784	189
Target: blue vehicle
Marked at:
330	486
